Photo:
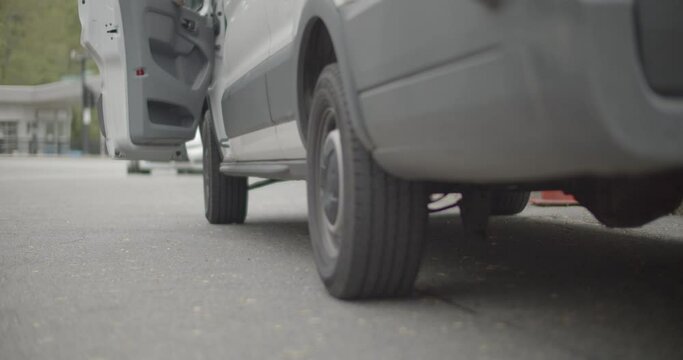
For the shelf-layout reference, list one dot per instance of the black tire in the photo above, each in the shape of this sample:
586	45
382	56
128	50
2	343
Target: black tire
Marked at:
225	197
506	203
134	168
368	238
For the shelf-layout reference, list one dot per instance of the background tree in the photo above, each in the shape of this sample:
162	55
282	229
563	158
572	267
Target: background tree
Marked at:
10	32
36	37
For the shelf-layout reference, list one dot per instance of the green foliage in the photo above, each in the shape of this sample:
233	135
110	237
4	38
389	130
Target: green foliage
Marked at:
93	131
36	38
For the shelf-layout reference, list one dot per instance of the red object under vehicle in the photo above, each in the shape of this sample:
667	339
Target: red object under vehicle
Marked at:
555	198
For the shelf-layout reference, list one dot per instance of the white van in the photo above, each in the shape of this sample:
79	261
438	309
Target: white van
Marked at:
378	103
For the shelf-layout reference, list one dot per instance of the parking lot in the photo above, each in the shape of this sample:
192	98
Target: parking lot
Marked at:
97	264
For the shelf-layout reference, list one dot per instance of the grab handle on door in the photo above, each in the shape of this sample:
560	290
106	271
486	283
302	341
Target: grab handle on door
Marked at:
188	24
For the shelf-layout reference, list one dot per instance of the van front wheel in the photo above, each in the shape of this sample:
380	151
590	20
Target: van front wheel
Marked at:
367	226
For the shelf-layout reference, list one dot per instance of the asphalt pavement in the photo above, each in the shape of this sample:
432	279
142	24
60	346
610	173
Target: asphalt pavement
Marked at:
97	264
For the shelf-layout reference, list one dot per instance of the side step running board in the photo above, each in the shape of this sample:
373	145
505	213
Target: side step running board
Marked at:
281	170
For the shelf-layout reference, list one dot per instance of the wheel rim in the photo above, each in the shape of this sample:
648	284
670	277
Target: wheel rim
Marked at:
331	186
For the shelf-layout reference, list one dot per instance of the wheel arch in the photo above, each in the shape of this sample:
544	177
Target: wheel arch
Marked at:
321	24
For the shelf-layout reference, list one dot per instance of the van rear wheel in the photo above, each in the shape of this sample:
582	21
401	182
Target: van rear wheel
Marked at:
505	203
225	197
367	226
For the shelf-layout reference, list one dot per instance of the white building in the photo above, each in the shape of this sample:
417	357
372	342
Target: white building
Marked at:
37	119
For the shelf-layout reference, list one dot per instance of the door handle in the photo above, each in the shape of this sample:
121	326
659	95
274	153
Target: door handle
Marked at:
188	24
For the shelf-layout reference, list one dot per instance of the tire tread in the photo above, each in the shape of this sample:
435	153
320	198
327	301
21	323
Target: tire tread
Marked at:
389	220
227	201
505	203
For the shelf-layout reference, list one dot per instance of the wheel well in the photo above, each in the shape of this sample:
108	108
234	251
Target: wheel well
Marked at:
317	51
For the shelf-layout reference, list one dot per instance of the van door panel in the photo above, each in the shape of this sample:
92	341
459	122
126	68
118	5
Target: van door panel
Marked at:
156	59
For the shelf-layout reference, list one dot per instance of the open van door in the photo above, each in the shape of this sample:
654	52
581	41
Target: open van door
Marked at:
156	60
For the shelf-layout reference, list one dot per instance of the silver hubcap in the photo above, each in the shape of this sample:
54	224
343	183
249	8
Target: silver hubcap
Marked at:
330	200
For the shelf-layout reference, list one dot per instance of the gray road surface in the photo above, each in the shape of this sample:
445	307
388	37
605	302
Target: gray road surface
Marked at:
95	264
